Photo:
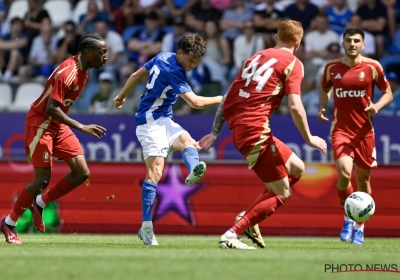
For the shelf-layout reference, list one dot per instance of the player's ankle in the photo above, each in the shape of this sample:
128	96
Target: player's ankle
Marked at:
147	224
230	234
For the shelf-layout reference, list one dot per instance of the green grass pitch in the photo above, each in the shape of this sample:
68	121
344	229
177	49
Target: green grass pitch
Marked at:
108	257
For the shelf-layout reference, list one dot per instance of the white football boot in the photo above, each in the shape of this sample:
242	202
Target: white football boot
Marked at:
196	174
253	233
233	243
146	234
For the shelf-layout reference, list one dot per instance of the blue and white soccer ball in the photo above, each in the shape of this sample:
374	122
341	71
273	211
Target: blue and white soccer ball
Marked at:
359	206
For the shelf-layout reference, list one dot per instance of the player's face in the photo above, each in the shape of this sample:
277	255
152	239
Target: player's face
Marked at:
98	56
352	45
187	61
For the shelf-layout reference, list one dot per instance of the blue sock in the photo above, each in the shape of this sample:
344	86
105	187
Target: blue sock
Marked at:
148	196
190	157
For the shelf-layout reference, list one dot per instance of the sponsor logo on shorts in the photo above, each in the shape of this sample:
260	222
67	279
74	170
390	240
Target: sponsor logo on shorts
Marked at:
46	156
164	151
349	93
244	94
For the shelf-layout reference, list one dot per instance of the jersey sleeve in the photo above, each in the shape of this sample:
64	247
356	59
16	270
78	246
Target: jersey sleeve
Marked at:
62	82
149	64
326	77
294	78
381	81
178	82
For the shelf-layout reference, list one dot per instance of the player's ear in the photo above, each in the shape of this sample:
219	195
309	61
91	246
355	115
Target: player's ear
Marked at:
363	45
276	38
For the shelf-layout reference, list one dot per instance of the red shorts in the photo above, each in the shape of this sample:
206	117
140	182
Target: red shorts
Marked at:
267	159
361	150
42	144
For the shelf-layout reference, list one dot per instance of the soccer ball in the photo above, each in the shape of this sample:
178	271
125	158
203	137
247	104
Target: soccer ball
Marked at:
359	207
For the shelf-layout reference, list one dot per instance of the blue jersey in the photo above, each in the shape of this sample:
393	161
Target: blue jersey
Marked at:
338	20
166	81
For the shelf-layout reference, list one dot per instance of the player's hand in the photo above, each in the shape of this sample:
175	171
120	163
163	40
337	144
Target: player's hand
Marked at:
119	101
207	142
317	142
95	130
372	109
321	115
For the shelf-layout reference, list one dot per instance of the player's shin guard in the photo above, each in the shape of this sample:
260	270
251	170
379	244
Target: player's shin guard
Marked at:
23	202
148	197
60	189
190	157
263	207
344	194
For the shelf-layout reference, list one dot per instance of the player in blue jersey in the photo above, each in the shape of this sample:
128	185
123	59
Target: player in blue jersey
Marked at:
157	132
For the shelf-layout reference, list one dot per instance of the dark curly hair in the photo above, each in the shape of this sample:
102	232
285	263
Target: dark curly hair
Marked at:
89	41
192	44
353	31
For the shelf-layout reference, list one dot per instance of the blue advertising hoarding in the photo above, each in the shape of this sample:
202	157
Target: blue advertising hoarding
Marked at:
121	145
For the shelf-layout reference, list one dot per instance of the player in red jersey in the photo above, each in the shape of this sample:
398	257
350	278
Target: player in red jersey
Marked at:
352	79
255	94
48	134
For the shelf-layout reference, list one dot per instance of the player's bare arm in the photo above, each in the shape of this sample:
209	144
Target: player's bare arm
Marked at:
133	80
387	97
324	97
54	111
200	102
300	119
208	141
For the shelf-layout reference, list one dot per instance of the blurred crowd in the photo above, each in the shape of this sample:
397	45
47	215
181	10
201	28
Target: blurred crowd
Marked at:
32	45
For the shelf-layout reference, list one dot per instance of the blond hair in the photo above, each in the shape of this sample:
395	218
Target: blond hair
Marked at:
290	31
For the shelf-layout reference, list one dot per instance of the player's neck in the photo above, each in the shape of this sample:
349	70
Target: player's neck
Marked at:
349	61
285	48
83	63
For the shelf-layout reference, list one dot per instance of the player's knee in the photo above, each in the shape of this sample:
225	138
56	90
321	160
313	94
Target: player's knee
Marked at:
42	183
154	176
82	175
298	169
344	174
286	194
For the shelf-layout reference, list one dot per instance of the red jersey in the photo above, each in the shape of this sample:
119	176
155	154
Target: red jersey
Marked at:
64	85
259	88
351	87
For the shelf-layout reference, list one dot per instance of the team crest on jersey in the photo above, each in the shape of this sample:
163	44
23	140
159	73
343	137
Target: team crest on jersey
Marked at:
68	102
46	156
361	76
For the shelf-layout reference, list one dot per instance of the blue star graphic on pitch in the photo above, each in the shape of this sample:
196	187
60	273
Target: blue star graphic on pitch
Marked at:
173	195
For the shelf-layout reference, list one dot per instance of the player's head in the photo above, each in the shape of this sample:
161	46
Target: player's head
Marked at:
290	33
94	49
353	41
191	48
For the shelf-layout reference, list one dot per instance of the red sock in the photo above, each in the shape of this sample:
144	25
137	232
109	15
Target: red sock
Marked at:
60	189
293	180
265	205
23	202
343	195
260	198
